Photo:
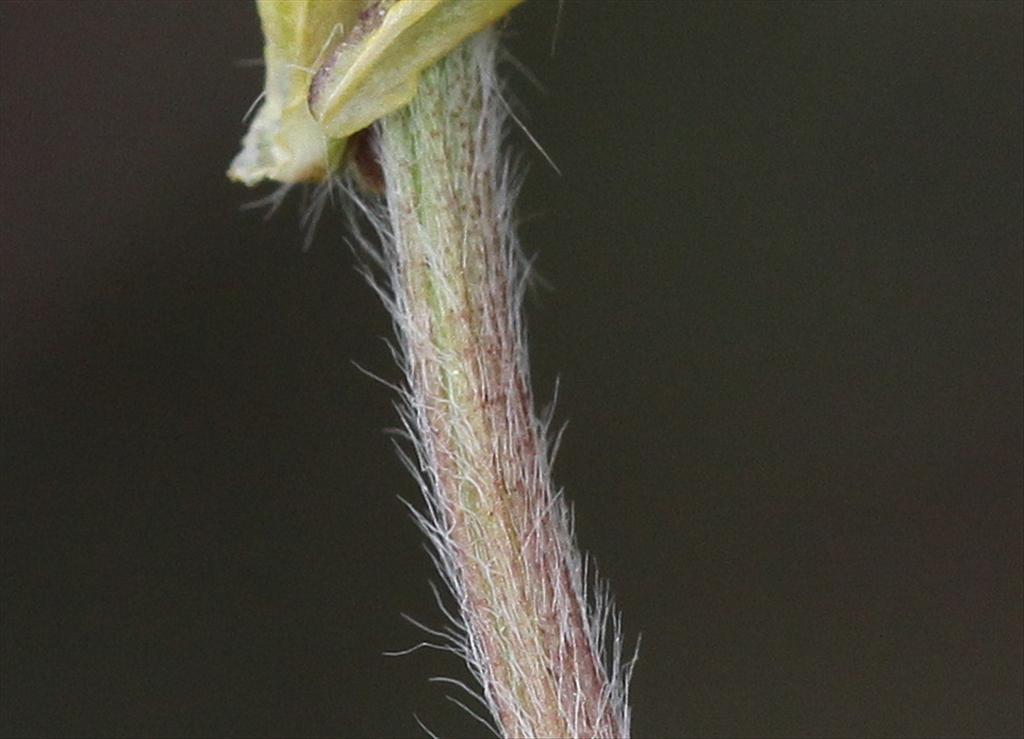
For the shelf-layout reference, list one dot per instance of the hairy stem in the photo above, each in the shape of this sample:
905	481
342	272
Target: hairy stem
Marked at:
501	532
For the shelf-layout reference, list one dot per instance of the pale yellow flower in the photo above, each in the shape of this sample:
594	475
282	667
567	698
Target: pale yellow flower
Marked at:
333	67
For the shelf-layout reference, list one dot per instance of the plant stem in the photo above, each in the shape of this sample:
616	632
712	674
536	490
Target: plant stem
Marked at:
502	534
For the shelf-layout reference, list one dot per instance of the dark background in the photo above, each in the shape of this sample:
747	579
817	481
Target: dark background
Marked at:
786	307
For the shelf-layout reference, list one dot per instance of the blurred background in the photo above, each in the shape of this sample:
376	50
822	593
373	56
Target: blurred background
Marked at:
784	304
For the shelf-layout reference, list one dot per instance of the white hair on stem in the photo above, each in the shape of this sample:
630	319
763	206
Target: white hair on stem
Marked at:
548	659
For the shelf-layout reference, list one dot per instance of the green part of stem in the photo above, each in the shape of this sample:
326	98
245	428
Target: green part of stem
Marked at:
501	532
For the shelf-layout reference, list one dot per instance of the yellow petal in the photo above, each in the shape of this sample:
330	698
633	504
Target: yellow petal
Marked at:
375	68
284	142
